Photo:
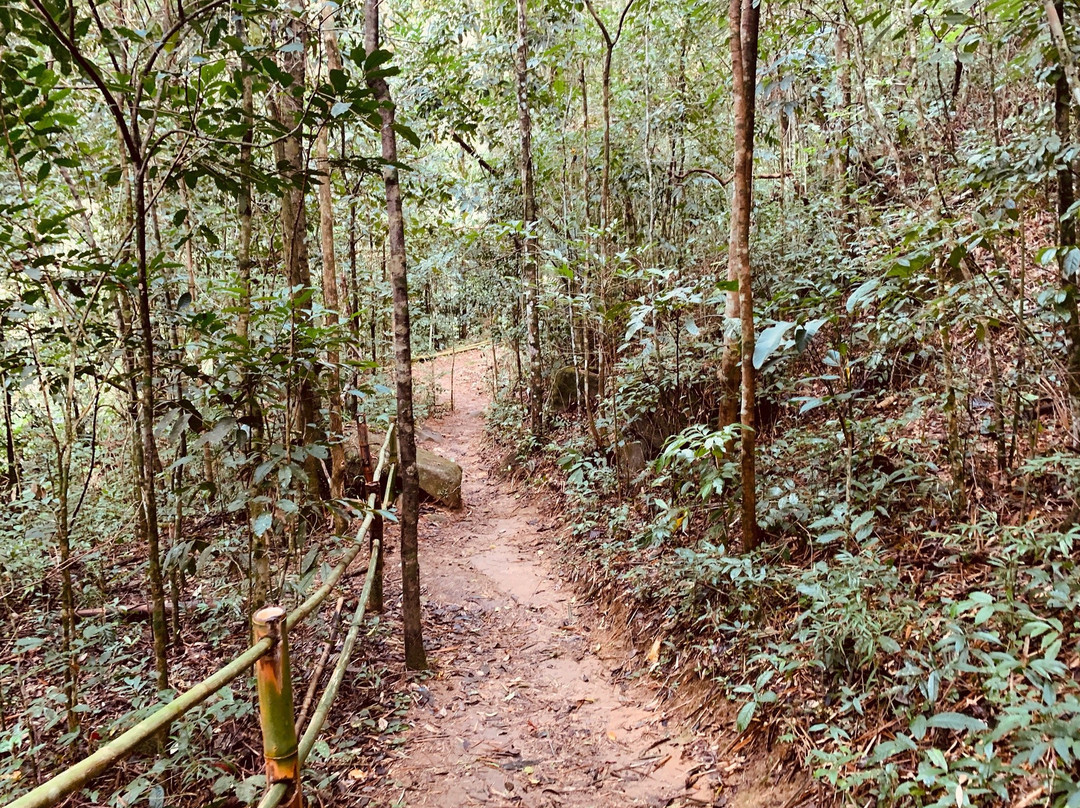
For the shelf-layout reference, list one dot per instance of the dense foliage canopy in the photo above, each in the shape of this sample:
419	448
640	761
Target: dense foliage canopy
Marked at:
788	292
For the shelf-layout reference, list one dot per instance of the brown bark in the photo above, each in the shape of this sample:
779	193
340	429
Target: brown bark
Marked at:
146	430
743	21
260	562
289	152
1067	230
415	658
840	143
11	469
529	244
330	283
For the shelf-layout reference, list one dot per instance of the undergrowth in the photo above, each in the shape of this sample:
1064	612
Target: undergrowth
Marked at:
920	661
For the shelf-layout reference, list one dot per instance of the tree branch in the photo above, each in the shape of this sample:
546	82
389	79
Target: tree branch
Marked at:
469	150
725	180
1057	34
93	74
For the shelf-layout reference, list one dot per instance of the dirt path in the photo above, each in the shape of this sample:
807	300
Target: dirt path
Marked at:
530	702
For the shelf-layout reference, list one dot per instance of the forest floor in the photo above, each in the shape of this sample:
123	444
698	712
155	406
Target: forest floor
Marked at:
533	700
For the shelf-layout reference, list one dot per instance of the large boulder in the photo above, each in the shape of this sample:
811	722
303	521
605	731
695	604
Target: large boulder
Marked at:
565	385
440	478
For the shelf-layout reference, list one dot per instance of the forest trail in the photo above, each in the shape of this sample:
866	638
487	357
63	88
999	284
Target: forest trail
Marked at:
532	701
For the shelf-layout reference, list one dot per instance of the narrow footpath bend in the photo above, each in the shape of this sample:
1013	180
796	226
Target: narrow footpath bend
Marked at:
525	706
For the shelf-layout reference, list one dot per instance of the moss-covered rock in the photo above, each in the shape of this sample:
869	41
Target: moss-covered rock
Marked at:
565	387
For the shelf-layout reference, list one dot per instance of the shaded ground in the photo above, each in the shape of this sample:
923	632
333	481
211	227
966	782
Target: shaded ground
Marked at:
532	700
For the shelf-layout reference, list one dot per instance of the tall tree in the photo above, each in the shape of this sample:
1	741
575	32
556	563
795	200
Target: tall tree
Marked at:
134	134
415	657
292	158
610	41
330	277
260	562
1066	90
743	22
529	244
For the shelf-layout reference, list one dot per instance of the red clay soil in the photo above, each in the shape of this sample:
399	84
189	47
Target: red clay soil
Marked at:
533	700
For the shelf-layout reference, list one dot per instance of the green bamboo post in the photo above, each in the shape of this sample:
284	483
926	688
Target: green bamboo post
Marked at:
273	680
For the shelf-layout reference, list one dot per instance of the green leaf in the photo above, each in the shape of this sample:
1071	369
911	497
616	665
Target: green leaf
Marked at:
408	134
768	342
918	727
249	789
862	294
1071	263
745	716
262	523
937	757
264	468
376	58
221	429
956	721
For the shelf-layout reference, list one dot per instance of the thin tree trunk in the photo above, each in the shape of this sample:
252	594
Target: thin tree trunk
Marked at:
529	243
290	154
584	286
1067	230
330	284
743	21
352	301
415	658
1055	17
146	430
11	471
840	144
609	49
260	562
189	265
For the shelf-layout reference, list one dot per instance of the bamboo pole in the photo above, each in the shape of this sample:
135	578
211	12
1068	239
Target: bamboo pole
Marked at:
277	792
75	777
319	595
71	779
273	682
316	675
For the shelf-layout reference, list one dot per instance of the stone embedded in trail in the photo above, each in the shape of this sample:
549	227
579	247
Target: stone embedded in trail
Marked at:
440	478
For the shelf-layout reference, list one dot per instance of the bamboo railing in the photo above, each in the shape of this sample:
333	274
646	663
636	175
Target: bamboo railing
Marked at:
269	653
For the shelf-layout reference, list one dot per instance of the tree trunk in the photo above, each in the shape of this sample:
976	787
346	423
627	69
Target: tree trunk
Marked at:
290	153
415	658
529	243
1067	235
260	562
330	284
841	145
11	469
744	16
146	432
605	85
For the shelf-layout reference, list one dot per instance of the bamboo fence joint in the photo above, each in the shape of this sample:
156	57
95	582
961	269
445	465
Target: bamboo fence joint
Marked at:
273	681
